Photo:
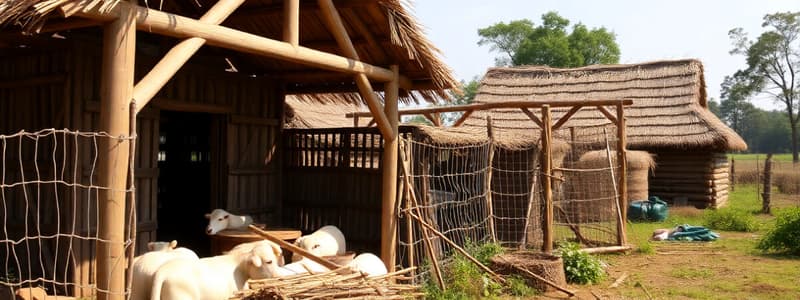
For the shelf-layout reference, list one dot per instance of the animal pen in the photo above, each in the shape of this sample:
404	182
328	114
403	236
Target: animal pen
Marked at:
476	186
128	81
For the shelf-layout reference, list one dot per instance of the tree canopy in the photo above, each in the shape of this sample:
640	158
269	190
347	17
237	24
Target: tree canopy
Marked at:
773	66
523	43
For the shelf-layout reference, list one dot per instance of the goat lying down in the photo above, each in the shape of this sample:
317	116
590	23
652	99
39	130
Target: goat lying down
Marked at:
146	265
219	220
216	277
326	241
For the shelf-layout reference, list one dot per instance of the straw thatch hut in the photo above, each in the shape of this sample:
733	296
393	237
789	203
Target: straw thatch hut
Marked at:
669	118
204	132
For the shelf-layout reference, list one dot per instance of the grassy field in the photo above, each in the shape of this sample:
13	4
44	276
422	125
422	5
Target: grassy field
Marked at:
783	157
730	268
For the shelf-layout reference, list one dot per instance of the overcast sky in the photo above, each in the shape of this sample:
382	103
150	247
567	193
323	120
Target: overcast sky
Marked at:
646	30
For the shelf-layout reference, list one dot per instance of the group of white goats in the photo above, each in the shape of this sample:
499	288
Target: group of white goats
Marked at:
170	273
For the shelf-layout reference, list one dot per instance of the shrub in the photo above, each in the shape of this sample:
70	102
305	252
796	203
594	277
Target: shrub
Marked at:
580	267
517	286
463	279
784	236
730	219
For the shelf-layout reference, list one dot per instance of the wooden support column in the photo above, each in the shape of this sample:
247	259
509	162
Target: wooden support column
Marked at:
547	172
389	166
622	145
119	50
291	22
488	181
163	71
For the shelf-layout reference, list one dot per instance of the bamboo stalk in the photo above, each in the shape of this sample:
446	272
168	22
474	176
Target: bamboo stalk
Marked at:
389	170
291	22
488	181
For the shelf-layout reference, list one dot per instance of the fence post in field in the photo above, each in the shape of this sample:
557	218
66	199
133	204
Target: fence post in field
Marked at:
765	197
733	174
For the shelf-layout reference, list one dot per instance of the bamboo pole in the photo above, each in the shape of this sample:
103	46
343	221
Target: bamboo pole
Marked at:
620	218
336	26
168	24
622	145
389	168
165	69
119	50
488	182
299	251
406	153
547	171
507	104
291	22
426	236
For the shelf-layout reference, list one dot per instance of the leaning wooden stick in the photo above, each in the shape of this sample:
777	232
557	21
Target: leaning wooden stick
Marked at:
299	251
540	278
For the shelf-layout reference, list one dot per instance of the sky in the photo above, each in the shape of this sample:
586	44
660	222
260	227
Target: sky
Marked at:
645	30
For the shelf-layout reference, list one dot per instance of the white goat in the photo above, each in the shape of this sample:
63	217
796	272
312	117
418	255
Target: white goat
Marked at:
146	265
219	220
369	264
217	277
326	241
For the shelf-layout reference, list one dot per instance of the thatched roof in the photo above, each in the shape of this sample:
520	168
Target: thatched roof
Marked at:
668	112
384	32
300	113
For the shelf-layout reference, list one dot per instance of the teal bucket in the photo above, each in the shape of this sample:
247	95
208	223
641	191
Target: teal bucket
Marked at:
652	209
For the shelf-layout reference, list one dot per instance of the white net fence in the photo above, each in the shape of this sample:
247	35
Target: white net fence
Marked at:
471	192
49	211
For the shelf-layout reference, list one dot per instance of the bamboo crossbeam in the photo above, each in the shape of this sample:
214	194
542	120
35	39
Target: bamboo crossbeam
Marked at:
532	116
607	114
463	118
165	69
566	117
494	105
178	26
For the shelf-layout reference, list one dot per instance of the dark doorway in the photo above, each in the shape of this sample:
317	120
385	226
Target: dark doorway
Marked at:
184	181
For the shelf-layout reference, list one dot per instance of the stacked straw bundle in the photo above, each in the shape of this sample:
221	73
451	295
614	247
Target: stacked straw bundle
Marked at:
336	284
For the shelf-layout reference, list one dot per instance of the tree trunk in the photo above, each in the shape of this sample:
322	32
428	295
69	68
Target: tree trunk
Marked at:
795	157
767	195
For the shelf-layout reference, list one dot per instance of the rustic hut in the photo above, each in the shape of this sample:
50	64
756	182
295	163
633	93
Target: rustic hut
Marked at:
669	118
205	117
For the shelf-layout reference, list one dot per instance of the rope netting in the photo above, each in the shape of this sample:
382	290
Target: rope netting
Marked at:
49	192
470	193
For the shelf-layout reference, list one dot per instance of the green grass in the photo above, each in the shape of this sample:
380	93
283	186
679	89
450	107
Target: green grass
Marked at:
783	157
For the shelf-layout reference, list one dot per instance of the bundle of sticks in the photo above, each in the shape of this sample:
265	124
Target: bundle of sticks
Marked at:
335	284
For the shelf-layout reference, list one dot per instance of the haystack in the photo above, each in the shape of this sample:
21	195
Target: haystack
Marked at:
593	190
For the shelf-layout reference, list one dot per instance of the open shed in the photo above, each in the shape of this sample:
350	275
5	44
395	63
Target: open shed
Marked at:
205	118
669	118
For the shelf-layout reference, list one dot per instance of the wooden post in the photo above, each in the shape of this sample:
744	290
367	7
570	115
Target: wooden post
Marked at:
622	145
389	166
733	174
119	49
766	197
291	22
407	202
547	172
488	183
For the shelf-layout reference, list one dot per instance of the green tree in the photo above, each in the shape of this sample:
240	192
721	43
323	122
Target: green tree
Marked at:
713	107
467	95
773	65
550	44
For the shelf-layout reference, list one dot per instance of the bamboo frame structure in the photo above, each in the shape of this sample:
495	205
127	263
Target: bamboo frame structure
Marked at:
119	48
389	169
622	160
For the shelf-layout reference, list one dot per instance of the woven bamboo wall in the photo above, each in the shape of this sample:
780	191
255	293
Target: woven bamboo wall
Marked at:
700	179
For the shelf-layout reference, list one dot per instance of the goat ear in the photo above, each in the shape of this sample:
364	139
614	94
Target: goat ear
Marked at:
277	250
298	241
208	216
256	261
173	244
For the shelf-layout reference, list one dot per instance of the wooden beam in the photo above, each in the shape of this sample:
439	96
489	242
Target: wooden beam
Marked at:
291	22
163	71
462	118
532	116
182	27
119	50
566	117
509	104
336	26
606	113
370	38
389	169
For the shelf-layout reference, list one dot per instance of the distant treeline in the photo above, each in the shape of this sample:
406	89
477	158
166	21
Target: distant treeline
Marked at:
764	131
